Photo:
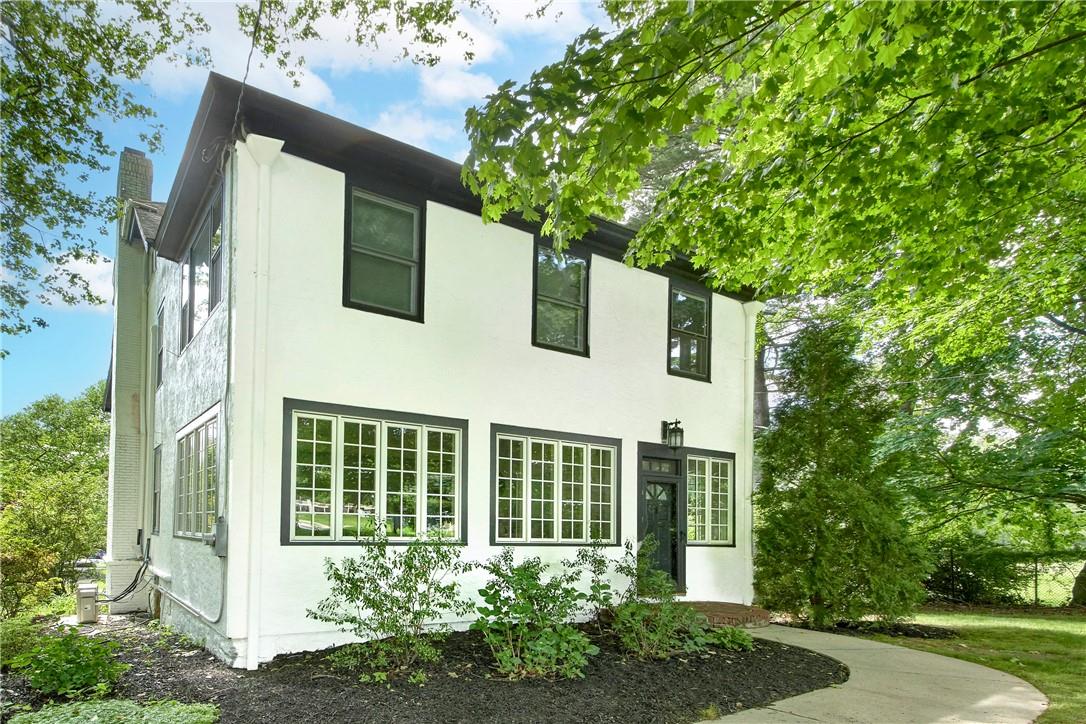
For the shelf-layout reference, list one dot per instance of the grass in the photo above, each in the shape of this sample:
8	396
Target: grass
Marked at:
1046	649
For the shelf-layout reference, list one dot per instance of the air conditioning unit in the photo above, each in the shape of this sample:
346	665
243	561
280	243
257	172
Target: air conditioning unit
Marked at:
86	602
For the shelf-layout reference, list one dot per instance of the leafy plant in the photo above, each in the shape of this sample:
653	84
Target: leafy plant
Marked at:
121	710
391	599
70	665
731	638
17	634
649	622
526	619
600	597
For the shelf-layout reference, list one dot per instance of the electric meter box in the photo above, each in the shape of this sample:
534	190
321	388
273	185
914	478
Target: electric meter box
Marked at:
86	602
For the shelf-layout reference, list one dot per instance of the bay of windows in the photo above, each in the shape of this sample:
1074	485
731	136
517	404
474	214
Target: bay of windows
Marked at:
710	485
348	473
197	478
554	491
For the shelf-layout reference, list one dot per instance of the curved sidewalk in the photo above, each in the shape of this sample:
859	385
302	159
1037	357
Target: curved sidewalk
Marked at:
889	684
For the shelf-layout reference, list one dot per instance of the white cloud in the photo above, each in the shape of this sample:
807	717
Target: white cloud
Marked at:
99	275
406	123
444	86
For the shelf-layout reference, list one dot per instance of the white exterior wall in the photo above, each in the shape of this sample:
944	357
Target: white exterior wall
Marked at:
471	359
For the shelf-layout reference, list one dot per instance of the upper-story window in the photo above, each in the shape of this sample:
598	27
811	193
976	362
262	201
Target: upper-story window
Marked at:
201	270
384	256
689	340
560	318
160	345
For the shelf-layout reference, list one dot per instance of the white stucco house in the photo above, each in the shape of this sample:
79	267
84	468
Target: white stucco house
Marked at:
316	332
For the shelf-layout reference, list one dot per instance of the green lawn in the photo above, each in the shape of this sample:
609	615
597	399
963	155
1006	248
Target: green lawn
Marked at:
1047	650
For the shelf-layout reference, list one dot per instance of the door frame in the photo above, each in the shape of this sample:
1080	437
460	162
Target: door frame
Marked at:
662	452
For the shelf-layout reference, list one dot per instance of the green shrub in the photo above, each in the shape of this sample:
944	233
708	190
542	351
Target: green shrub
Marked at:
70	665
731	638
121	711
391	599
17	634
649	622
527	620
26	571
591	561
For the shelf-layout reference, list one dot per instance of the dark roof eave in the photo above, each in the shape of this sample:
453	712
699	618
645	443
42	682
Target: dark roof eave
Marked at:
334	143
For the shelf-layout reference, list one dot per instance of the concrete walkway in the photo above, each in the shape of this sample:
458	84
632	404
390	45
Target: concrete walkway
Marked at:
889	684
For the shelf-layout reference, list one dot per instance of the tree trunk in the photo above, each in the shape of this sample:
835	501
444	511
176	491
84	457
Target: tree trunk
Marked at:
1078	592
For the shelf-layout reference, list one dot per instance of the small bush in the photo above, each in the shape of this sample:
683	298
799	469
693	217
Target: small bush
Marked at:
591	561
70	665
391	598
121	711
649	622
527	620
17	635
731	638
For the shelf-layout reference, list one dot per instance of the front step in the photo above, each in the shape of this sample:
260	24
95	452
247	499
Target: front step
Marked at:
721	613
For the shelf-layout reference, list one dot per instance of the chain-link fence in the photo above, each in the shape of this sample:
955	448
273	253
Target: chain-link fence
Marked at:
998	576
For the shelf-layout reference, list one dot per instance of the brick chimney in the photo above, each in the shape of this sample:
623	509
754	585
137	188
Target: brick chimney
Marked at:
134	176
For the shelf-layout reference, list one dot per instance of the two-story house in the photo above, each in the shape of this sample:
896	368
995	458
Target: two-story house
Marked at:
316	334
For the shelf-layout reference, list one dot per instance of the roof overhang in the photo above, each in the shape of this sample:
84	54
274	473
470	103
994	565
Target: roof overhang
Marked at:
337	144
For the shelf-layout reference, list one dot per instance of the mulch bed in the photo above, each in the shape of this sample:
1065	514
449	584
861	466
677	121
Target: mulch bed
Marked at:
462	687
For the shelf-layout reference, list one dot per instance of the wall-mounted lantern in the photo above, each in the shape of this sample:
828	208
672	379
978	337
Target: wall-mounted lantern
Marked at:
671	434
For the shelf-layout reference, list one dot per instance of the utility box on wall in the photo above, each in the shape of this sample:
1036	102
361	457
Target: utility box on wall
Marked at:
86	602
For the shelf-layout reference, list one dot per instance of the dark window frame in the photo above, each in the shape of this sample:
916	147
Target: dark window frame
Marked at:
686	453
160	344
576	250
696	291
156	490
497	430
291	405
397	195
214	197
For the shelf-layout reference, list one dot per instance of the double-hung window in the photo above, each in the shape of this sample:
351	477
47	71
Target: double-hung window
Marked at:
350	473
710	490
160	345
689	339
554	490
560	316
197	477
156	491
384	256
201	270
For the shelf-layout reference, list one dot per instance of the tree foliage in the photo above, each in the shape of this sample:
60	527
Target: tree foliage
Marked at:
832	540
930	152
54	463
65	69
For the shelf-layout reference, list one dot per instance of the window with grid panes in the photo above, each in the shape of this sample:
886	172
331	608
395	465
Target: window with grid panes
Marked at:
349	473
552	491
710	486
197	478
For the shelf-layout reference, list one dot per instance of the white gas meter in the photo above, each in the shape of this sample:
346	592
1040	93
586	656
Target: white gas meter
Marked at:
86	602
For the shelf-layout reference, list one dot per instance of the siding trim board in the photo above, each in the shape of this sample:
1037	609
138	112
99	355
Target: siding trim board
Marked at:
291	405
616	500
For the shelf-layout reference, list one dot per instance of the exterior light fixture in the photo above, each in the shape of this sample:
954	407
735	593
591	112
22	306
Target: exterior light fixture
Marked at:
671	434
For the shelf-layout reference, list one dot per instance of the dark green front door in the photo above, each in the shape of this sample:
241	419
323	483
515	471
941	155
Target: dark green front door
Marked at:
662	522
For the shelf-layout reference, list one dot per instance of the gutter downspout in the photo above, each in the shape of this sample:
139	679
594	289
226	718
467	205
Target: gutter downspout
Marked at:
264	151
752	310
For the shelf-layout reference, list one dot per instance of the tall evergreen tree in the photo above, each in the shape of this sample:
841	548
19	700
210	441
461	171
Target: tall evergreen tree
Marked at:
831	540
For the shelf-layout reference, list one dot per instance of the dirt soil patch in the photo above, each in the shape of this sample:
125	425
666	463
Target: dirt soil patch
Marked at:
462	687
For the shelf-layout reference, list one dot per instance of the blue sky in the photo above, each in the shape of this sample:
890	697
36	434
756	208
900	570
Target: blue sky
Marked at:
421	106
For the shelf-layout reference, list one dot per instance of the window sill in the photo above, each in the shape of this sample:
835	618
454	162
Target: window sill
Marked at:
565	350
366	542
362	307
689	376
551	543
702	544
